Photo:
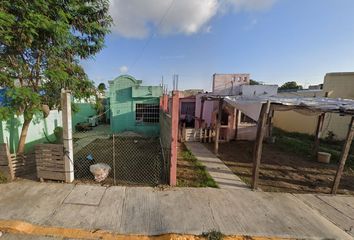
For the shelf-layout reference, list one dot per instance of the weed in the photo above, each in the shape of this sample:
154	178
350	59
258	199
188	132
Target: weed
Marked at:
203	179
213	235
302	144
3	179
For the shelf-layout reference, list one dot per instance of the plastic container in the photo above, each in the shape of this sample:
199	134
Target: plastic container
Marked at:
323	157
100	171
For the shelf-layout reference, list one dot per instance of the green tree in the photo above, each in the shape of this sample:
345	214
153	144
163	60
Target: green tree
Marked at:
101	87
254	82
290	85
99	106
41	44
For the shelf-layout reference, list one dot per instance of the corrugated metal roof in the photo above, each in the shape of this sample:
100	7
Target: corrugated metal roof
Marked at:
337	105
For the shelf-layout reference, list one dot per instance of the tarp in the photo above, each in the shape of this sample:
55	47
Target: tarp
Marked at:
251	106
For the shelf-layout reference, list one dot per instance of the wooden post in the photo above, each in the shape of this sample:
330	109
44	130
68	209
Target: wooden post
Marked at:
174	137
210	134
201	134
10	162
344	156
218	124
270	123
257	152
114	159
237	121
318	132
201	112
67	135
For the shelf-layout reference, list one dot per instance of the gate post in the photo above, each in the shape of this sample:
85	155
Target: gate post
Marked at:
174	136
67	135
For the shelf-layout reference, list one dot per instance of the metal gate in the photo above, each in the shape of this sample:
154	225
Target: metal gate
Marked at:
132	159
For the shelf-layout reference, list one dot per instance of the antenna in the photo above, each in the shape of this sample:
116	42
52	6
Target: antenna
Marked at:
175	81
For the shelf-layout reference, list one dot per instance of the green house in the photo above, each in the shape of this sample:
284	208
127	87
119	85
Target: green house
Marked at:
134	107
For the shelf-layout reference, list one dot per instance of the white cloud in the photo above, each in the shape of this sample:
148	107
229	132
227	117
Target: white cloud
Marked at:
136	18
123	69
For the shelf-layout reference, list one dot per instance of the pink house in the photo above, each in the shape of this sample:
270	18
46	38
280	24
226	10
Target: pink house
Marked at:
234	123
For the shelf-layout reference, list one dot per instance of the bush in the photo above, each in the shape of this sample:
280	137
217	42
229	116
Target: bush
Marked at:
58	132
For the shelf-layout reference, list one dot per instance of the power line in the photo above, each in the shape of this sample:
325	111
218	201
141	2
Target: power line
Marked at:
147	42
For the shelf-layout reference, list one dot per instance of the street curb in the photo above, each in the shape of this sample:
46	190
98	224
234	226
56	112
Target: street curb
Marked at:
22	227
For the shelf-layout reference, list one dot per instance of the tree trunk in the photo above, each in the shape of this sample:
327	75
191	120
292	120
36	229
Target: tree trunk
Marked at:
23	136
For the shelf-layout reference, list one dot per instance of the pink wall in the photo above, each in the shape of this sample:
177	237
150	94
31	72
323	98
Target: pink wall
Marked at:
209	106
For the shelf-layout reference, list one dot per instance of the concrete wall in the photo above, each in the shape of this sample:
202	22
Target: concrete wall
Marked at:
10	130
85	111
225	83
259	90
337	85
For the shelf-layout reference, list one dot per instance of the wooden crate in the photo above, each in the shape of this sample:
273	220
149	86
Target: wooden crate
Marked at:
22	165
50	161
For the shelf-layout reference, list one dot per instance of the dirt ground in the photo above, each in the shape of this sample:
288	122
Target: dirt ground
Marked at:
283	171
135	160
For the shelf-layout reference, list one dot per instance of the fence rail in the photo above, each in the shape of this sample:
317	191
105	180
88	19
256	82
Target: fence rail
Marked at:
132	159
165	141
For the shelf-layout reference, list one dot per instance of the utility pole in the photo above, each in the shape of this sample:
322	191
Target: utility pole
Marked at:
67	135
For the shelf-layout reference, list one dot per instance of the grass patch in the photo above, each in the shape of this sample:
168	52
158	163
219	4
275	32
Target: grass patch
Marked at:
213	235
3	179
192	173
302	144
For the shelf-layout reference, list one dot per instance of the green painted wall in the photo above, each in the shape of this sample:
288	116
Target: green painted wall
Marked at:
85	110
125	92
10	130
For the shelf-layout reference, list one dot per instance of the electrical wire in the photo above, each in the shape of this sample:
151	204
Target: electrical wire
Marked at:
152	35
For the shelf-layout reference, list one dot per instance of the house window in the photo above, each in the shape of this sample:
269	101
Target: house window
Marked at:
147	113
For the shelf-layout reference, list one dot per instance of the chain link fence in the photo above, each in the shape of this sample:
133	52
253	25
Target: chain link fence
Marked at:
132	159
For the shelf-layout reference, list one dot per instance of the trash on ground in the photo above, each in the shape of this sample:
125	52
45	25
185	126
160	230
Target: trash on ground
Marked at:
100	171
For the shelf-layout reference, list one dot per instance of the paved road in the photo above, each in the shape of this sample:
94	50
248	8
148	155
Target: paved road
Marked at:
151	211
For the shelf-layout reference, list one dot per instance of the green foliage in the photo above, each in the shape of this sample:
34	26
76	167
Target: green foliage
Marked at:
3	179
213	235
300	143
290	85
41	44
330	136
205	179
254	82
101	87
58	133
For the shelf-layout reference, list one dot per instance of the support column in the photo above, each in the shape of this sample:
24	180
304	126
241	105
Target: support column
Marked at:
237	121
174	136
218	124
67	135
318	134
270	123
344	156
165	102
201	112
257	152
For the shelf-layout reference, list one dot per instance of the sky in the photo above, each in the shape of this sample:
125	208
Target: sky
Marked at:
274	40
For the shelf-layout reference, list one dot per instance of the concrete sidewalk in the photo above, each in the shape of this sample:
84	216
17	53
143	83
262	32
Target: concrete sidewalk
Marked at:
221	174
152	211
